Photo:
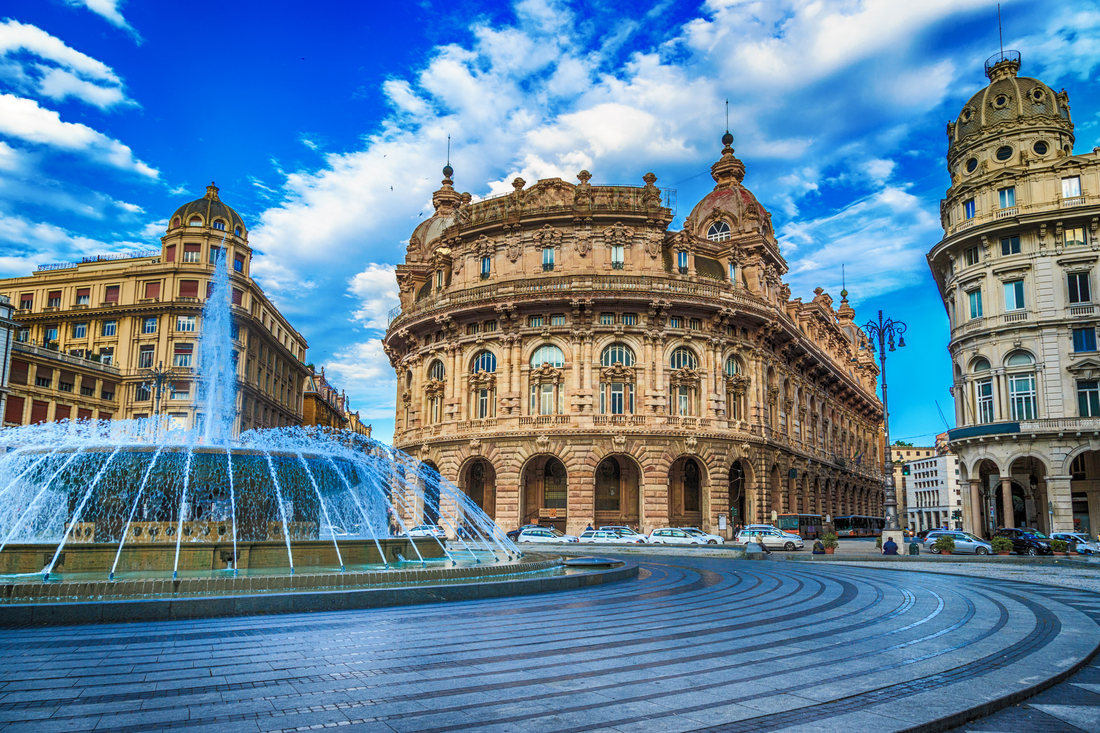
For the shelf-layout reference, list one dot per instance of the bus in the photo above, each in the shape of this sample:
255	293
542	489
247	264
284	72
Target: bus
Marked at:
806	526
859	526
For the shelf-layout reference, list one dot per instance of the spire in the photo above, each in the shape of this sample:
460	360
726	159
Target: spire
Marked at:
211	192
446	199
729	171
843	286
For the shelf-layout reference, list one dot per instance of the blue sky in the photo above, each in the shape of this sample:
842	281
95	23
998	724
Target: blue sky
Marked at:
112	114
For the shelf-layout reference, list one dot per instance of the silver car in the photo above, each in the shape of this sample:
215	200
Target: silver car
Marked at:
965	543
1084	544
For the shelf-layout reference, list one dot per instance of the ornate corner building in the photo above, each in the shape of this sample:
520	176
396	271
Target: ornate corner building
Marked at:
562	356
1017	270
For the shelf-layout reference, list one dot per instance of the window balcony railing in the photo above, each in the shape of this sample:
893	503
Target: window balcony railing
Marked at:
618	265
618	419
1068	203
1082	309
484	276
682	269
547	266
1008	212
1015	317
544	420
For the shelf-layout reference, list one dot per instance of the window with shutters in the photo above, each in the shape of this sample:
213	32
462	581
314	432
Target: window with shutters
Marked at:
170	253
110	295
180	391
145	357
182	355
1080	290
83	296
53	300
39	412
26	301
152	290
192	253
189	288
13	410
20	371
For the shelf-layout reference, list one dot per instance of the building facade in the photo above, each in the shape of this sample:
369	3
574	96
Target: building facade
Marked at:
933	493
1017	270
901	455
563	357
91	331
325	406
8	328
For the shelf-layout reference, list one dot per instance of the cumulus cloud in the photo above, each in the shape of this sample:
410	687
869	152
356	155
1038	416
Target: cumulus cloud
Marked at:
25	120
376	290
25	244
109	11
363	370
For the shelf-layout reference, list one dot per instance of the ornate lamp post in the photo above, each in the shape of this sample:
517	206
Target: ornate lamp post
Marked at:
884	332
156	377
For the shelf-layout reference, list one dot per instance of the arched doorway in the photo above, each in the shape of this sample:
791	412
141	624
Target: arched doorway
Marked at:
479	482
1084	471
738	495
617	503
545	492
429	482
685	493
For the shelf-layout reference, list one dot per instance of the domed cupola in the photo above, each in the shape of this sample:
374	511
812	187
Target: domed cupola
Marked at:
446	202
730	208
209	211
1008	123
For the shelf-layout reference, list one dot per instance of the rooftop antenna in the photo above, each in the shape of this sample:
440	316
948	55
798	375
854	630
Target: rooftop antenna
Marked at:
843	285
727	114
1000	32
449	138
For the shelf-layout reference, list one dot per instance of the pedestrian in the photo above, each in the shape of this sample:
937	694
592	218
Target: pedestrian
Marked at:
889	547
819	547
588	528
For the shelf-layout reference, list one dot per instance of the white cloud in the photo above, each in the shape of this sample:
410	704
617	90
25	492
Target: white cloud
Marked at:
363	370
25	244
376	290
58	84
23	119
108	10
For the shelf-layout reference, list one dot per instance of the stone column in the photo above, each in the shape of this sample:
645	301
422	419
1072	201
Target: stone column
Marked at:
659	361
505	379
1058	492
517	348
645	384
1006	502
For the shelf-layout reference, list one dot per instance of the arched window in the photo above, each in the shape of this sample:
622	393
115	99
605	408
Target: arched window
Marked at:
1022	396
219	225
982	365
719	231
548	354
683	358
237	231
617	354
437	371
731	366
175	222
1019	358
485	361
195	222
435	390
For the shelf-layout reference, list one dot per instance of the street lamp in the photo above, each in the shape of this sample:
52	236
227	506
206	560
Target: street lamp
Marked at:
156	377
885	332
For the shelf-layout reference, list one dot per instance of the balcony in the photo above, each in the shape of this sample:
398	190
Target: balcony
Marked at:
1013	427
1015	317
617	265
1008	212
617	420
547	266
1083	309
57	356
1071	202
539	421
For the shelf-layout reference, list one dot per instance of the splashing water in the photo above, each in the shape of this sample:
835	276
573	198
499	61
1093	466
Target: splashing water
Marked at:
217	393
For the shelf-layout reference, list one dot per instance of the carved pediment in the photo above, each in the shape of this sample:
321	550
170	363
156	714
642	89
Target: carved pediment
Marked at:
1085	369
685	377
737	384
546	374
618	235
548	236
617	373
483	380
435	388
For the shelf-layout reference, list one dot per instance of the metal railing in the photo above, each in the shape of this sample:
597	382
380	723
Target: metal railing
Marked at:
99	258
78	361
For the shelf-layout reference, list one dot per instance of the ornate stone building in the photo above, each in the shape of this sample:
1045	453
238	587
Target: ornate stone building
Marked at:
1016	269
561	355
88	330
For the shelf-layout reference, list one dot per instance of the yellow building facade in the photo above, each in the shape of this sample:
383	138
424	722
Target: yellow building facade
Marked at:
90	331
564	357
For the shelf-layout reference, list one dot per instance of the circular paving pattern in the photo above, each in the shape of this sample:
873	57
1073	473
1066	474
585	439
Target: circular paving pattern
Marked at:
692	644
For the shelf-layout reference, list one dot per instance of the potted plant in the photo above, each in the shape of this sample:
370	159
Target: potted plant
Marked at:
1059	547
943	545
1002	545
878	542
831	542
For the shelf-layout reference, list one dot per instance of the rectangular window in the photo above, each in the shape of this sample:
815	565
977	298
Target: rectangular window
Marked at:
984	388
695	324
83	296
1080	290
558	319
109	328
182	355
491	326
548	259
1021	392
471	329
975	303
1074	236
628	319
185	323
1010	245
1088	398
439	279
152	290
1014	295
107	355
53	300
675	322
618	256
534	321
80	330
1084	339
482	403
1008	197
43	377
1071	187
192	253
87	391
181	391
733	271
968	209
607	319
683	401
682	262
238	296
26	301
189	288
546	401
110	295
149	325
238	263
215	253
142	393
23	335
51	334
145	357
972	256
486	267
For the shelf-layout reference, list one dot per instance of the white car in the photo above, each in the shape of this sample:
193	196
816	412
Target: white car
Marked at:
710	539
1085	545
769	537
607	537
546	535
427	530
671	536
625	532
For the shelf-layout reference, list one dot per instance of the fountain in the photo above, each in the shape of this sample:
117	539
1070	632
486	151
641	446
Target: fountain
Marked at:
145	499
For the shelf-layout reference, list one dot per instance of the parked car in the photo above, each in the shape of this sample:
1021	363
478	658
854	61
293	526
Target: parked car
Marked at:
427	530
965	543
544	534
1026	541
710	539
514	534
1085	545
608	537
770	537
671	536
625	532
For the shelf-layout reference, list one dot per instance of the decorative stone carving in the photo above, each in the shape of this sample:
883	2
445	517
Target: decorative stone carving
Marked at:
619	441
691	444
617	373
543	442
548	236
484	246
475	446
515	246
583	242
618	235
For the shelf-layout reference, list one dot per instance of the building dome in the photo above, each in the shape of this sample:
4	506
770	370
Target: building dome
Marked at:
209	209
1009	99
730	201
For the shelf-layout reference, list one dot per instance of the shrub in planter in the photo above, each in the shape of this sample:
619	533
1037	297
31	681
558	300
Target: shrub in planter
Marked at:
831	542
878	542
943	545
1059	546
1001	545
